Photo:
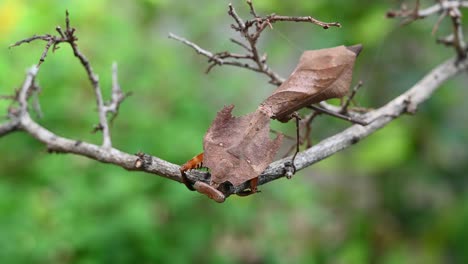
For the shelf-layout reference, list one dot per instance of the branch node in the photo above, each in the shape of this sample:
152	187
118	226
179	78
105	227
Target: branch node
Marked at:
143	160
289	170
410	107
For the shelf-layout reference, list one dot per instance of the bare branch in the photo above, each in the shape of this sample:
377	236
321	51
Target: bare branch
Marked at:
241	44
94	79
127	161
24	91
117	96
216	60
344	108
22	98
447	41
197	48
439	20
22	120
382	116
444	7
8	127
244	28
28	40
422	13
458	42
308	127
69	36
338	115
237	18
325	25
35	90
252	8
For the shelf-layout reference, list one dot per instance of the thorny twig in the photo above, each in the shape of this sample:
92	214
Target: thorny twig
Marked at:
344	108
35	91
445	8
458	41
117	95
68	36
338	115
418	13
250	31
307	123
308	127
442	15
298	145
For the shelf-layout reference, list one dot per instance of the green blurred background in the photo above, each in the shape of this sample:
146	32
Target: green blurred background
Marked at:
399	196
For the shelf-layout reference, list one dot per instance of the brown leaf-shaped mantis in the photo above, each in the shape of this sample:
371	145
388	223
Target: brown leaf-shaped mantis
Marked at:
238	149
320	75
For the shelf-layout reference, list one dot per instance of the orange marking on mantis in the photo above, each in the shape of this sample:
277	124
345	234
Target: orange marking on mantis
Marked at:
195	163
253	188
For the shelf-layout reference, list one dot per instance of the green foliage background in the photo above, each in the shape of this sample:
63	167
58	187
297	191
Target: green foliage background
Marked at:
399	196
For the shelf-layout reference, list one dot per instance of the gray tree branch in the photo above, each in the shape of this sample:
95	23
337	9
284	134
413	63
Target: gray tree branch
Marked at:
8	127
20	118
406	102
380	117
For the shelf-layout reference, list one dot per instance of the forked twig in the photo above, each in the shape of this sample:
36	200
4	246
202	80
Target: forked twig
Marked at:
68	36
250	31
445	8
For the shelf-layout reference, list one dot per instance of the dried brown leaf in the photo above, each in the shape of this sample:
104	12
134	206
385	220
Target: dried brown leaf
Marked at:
320	75
238	149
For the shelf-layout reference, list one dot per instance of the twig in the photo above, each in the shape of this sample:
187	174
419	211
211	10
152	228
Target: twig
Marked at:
218	61
308	127
339	115
344	108
298	144
458	42
284	135
24	91
237	18
422	13
439	21
28	40
447	41
196	48
325	25
117	96
7	97
244	28
35	100
69	37
94	79
241	44
252	9
452	8
8	127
